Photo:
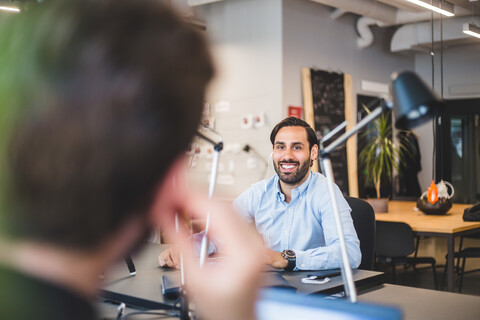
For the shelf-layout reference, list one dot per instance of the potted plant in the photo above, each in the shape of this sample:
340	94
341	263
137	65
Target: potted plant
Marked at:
379	157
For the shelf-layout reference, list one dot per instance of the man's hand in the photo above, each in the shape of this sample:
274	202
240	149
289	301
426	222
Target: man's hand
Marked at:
275	259
170	257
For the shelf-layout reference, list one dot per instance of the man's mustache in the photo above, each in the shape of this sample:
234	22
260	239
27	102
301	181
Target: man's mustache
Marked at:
289	161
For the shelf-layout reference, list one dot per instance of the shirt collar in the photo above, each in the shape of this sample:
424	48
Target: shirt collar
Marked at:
278	191
298	190
303	187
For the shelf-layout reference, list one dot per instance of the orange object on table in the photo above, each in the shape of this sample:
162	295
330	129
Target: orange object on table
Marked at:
432	196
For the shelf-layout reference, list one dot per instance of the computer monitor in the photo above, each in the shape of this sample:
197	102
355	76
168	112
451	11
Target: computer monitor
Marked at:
280	304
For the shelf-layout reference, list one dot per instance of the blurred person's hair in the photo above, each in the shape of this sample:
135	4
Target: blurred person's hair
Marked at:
295	122
97	100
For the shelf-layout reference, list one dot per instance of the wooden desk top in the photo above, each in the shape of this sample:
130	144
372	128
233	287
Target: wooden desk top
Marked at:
450	223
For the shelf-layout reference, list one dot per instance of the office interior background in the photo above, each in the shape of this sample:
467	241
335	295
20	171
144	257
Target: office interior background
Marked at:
260	47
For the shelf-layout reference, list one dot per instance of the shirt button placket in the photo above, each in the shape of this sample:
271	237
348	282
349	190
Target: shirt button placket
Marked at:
285	228
288	226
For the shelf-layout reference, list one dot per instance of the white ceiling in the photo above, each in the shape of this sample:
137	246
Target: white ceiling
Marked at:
468	4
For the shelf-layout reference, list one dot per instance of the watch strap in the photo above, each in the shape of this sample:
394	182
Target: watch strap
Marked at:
291	259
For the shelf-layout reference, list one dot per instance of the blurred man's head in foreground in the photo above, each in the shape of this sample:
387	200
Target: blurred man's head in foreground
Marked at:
97	101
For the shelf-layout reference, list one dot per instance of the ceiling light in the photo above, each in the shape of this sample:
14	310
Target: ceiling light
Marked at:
471	29
10	9
444	7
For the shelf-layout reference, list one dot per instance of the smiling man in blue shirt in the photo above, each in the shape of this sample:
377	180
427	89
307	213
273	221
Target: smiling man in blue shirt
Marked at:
292	210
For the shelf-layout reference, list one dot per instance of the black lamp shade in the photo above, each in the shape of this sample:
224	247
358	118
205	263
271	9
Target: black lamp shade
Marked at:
413	101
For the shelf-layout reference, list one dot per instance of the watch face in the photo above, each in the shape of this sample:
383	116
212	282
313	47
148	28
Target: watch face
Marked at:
290	253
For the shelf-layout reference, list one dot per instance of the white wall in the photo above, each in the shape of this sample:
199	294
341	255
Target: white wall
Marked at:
461	79
247	43
312	39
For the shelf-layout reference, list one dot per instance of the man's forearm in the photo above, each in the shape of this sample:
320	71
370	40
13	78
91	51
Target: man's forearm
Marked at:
327	257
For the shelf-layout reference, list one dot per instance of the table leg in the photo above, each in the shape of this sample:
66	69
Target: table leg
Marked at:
450	266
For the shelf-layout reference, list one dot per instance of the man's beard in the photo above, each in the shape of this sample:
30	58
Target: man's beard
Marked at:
292	177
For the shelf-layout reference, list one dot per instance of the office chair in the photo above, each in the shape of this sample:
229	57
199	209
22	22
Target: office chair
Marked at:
471	252
463	255
364	222
394	242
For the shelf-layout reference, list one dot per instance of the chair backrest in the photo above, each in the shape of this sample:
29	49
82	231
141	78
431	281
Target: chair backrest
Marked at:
364	222
394	239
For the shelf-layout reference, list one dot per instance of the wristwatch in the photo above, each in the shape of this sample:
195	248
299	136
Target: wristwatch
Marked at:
290	256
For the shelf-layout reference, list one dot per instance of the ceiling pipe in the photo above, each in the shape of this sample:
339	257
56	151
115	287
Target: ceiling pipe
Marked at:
386	15
368	8
383	15
365	35
418	36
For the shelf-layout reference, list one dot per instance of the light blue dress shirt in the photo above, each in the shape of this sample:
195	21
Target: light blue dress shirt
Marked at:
305	225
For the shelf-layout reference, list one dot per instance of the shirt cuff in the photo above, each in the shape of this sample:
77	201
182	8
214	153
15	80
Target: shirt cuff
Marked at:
304	262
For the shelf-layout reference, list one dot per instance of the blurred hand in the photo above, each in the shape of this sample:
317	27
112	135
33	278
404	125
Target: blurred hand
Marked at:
170	257
225	290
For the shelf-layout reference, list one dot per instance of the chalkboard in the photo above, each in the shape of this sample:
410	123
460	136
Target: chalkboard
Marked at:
329	111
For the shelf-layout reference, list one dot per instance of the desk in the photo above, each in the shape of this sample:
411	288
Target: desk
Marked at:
419	303
145	289
447	226
415	303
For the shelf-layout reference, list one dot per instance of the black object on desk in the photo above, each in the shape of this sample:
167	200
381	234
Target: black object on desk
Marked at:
130	265
325	273
171	286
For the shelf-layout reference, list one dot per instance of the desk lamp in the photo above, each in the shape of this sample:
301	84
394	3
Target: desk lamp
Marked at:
169	286
413	104
215	139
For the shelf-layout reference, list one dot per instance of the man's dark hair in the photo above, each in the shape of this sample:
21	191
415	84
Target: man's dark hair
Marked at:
295	122
98	98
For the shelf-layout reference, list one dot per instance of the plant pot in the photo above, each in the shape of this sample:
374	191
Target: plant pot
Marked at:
379	205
